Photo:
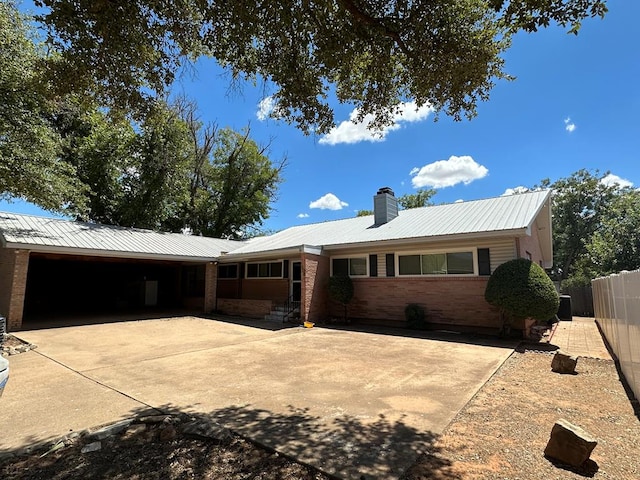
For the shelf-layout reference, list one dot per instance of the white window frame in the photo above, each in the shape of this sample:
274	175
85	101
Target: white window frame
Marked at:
473	251
349	257
246	270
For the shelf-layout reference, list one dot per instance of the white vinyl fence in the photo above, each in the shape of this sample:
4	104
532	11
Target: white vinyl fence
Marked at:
616	304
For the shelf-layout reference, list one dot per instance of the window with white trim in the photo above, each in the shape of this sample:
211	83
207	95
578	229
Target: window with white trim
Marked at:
352	266
264	270
451	263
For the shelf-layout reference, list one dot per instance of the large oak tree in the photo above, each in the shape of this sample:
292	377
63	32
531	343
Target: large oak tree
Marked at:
373	54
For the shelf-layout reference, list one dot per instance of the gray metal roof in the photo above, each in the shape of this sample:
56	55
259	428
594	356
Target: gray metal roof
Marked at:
63	236
509	215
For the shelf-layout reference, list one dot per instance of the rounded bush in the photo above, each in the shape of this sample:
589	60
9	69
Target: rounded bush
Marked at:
415	316
522	289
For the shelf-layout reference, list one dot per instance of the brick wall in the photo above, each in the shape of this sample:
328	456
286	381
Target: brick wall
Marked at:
229	288
244	307
210	287
265	289
455	301
14	265
315	282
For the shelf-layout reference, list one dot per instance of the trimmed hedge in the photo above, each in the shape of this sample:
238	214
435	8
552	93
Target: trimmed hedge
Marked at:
522	289
416	316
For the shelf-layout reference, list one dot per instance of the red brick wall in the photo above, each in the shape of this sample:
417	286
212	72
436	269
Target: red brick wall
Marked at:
315	283
454	301
244	307
229	288
210	287
14	265
265	289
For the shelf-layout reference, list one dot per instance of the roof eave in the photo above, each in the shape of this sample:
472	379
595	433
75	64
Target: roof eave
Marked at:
276	252
515	232
107	253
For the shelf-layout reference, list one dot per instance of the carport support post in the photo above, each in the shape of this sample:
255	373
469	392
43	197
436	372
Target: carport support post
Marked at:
210	287
14	265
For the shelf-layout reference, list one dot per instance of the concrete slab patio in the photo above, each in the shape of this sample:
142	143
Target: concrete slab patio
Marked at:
350	403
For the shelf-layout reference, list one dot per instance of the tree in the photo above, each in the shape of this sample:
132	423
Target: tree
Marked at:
30	167
521	289
422	198
373	54
615	245
341	291
364	213
238	185
580	202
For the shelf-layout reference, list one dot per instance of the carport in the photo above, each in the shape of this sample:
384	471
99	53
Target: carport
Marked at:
71	284
51	267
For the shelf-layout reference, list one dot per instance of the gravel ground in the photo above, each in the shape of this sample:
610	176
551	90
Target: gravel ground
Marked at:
503	430
500	434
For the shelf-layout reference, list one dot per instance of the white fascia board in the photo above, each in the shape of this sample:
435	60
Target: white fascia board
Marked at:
107	253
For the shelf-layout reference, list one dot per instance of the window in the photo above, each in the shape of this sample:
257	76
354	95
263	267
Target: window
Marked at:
228	271
454	263
353	267
264	270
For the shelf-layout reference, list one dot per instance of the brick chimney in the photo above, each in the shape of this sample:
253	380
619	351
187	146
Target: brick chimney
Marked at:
385	206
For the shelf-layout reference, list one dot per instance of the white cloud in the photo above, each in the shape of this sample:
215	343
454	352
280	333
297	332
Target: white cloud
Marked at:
447	173
350	131
569	126
328	202
303	215
611	180
514	191
265	107
459	201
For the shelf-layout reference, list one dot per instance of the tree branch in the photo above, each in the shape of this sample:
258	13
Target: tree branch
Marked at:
367	19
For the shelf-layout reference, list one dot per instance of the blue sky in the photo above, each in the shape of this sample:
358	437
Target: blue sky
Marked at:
574	104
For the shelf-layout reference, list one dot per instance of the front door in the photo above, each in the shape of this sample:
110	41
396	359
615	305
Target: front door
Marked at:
296	281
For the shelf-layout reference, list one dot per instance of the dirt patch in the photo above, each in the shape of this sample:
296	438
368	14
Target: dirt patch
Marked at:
503	430
500	434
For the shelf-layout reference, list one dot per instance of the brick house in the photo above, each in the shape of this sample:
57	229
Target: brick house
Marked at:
440	257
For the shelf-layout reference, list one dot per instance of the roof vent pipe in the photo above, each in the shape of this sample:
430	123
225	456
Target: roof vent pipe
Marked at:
385	206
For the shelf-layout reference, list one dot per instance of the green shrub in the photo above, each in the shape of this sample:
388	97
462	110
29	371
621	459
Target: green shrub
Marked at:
341	290
522	289
415	316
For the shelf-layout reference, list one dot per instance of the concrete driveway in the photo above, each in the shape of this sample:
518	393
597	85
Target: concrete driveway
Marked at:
350	403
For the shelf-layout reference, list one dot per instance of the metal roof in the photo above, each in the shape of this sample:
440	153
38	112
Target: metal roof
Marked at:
511	215
54	235
508	215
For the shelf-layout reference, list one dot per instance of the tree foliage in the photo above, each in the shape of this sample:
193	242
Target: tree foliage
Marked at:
580	204
422	198
522	289
615	245
364	213
30	164
373	54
